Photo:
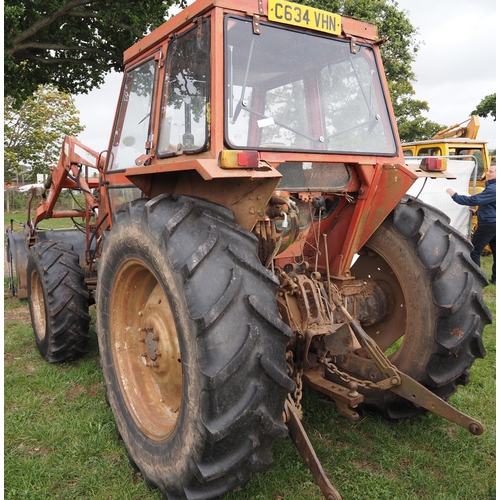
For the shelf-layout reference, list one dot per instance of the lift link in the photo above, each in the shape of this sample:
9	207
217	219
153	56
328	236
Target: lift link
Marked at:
418	394
301	441
406	386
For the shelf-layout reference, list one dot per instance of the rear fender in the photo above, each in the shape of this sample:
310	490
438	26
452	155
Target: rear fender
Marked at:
18	252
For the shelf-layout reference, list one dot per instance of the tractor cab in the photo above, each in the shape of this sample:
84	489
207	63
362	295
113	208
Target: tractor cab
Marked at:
230	103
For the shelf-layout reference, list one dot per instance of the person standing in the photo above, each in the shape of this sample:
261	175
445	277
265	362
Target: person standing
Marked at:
485	232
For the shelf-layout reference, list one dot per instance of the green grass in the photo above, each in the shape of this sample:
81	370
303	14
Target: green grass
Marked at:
60	440
19	219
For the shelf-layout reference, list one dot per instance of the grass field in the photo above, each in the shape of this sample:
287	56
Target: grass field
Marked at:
16	221
60	440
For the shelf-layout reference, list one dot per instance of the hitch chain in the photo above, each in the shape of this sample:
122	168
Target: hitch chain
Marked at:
296	376
346	377
297	395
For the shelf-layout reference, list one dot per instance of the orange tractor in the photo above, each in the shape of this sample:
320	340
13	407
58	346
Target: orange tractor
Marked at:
249	232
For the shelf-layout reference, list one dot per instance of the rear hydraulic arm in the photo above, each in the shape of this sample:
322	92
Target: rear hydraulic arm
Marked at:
404	385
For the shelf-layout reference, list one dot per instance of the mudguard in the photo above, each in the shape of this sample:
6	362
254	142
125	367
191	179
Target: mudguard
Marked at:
17	254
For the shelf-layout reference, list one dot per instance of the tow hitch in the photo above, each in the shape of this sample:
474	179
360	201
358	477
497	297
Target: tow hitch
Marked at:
394	380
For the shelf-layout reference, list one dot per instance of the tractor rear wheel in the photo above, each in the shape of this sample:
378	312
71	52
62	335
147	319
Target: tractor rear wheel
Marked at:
192	348
58	301
436	314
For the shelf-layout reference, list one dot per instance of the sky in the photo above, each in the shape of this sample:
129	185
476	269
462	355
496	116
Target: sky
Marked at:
455	68
456	64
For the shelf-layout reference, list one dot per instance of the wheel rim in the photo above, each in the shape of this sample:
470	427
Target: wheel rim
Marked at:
38	306
390	332
145	349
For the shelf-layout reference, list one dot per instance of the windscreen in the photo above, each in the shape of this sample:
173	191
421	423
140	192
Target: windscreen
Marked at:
290	90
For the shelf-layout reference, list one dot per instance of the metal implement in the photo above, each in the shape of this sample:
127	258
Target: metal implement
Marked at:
301	441
418	394
405	386
344	397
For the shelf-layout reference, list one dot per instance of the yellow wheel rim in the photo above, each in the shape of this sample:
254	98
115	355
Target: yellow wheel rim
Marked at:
145	349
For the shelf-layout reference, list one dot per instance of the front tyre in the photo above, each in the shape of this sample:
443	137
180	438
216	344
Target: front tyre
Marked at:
192	350
58	301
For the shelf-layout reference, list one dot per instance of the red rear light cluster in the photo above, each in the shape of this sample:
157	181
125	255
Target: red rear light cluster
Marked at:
239	159
433	164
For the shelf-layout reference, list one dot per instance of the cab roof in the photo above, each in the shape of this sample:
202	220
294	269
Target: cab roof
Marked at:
350	27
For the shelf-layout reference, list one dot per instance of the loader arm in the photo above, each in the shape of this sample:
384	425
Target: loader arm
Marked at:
68	175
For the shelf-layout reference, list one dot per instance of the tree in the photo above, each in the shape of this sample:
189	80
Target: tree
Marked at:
33	134
487	106
72	44
398	54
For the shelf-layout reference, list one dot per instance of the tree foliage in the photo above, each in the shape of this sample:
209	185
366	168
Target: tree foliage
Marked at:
398	54
72	44
33	134
487	106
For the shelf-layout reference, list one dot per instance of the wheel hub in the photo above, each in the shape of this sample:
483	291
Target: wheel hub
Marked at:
151	344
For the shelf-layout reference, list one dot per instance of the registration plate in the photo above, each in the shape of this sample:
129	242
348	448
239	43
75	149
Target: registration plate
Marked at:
301	15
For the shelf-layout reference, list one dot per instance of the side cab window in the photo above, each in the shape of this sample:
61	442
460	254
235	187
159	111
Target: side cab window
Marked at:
185	105
133	127
429	151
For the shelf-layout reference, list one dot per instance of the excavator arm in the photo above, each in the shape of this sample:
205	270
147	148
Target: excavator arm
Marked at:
456	131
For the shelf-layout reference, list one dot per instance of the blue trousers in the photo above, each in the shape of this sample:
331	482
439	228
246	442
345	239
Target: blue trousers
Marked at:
483	235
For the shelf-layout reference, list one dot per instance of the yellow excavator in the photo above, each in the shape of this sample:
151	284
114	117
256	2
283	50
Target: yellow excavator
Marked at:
457	140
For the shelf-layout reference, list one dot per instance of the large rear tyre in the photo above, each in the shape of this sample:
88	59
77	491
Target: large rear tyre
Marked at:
436	314
58	301
192	350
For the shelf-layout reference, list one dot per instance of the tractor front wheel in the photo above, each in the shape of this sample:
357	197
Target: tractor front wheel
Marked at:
58	301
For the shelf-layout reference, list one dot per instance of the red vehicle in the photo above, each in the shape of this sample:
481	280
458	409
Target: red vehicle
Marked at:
249	232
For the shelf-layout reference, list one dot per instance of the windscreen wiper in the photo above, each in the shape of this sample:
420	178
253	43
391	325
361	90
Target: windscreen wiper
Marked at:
243	89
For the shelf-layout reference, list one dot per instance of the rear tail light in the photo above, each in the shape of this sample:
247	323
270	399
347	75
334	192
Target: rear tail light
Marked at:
433	164
239	159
